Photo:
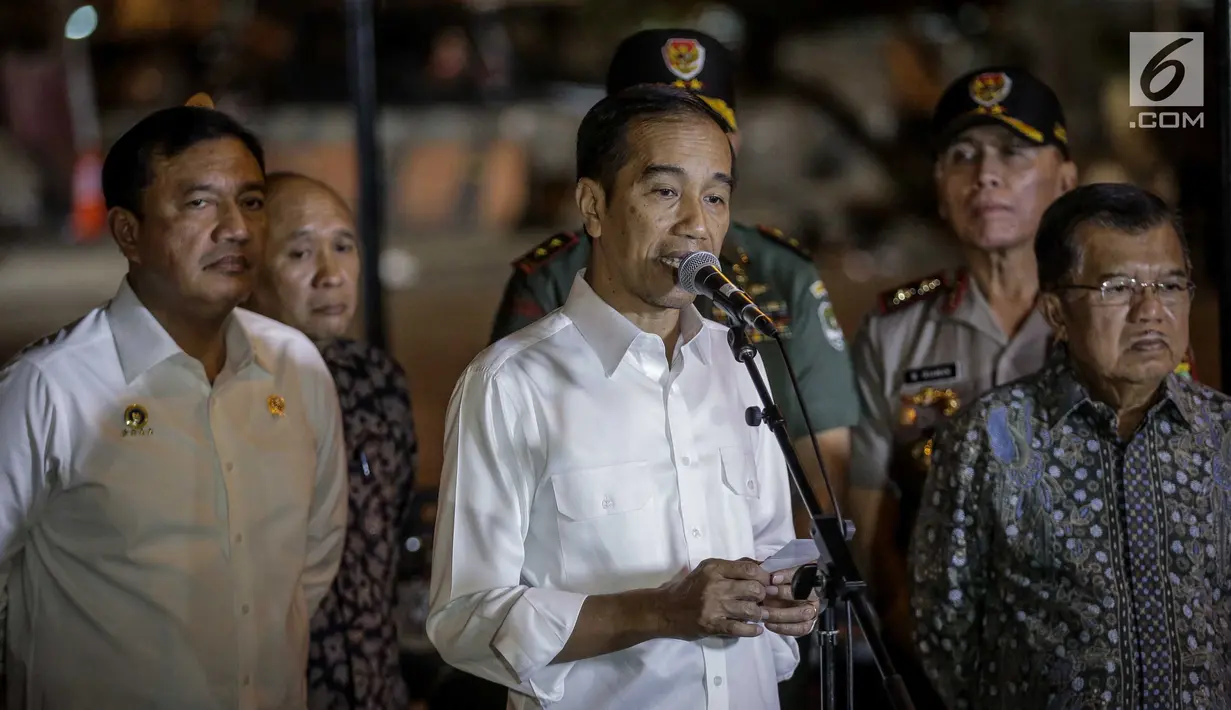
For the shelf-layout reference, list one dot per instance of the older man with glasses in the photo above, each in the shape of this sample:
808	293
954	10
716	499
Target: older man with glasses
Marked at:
1074	545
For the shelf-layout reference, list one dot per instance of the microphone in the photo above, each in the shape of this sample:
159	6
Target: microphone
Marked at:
700	274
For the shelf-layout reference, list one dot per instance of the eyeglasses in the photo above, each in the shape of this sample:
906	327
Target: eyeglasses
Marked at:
1121	290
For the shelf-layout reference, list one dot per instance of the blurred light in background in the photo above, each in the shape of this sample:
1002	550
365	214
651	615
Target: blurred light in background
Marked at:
146	84
398	269
718	21
935	28
81	23
723	24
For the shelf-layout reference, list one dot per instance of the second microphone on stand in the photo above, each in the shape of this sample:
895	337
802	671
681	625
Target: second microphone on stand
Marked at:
700	273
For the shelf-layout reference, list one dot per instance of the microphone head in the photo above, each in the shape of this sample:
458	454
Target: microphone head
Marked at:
690	266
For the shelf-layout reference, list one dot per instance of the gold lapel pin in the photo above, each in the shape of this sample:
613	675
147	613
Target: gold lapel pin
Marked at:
277	405
135	417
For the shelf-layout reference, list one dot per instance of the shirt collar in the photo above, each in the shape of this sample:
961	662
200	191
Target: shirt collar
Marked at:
967	304
1062	392
610	334
141	342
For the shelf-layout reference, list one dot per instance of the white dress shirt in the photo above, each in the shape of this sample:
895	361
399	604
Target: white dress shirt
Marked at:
578	461
176	563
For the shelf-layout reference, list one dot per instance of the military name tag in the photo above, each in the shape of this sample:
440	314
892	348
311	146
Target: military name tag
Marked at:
930	373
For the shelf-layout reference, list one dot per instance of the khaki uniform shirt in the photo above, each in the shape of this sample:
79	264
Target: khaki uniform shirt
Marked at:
933	346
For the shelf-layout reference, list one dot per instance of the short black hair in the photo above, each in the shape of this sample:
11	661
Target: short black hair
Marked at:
128	169
602	139
1120	206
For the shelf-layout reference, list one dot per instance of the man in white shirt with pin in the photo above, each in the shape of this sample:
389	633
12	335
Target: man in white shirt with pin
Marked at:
603	500
172	485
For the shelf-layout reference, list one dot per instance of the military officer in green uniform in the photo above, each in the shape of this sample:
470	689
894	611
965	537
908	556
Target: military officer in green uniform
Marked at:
773	268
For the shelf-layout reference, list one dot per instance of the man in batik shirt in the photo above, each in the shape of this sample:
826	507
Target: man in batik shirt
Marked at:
1074	545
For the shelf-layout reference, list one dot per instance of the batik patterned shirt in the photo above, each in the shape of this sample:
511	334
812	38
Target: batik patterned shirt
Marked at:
353	662
1056	566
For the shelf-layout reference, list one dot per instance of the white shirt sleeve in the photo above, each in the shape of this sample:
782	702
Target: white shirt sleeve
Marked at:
774	526
28	423
483	619
327	519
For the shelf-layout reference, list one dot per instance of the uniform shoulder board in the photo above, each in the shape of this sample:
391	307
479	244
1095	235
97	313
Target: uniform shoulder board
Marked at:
919	290
549	249
793	244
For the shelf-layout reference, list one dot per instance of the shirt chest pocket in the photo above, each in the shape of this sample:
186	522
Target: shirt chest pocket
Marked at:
739	495
739	472
612	524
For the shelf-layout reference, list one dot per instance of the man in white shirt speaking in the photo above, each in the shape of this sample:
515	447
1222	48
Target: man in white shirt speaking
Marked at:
172	480
603	500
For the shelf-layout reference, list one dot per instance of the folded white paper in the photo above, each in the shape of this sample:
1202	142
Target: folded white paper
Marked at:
792	554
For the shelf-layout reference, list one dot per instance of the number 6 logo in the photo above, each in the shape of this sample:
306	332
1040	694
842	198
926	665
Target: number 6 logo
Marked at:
1166	69
1157	65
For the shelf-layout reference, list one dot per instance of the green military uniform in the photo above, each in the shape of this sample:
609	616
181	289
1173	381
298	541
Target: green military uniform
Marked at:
773	269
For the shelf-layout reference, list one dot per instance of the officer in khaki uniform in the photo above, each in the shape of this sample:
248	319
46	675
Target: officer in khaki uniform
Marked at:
774	269
936	343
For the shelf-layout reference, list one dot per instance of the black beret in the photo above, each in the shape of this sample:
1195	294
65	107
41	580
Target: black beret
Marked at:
683	58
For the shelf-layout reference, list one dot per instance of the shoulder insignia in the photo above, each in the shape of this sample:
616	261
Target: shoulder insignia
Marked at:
546	251
911	292
793	244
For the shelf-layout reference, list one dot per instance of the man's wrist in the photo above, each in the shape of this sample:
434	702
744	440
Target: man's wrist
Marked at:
645	611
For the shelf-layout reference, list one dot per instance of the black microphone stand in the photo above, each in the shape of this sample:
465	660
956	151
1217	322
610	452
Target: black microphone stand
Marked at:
835	576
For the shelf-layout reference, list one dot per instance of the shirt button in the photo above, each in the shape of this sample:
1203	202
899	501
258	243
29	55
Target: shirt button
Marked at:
717	681
752	485
239	539
230	467
247	680
696	532
244	608
686	461
608	502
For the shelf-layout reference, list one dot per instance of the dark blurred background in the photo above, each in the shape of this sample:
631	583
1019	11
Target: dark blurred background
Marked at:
480	100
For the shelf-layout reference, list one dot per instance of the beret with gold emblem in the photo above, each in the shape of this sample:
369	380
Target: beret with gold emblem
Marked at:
683	58
1005	96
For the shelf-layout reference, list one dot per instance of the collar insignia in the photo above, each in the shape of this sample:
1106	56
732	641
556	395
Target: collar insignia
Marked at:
135	420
